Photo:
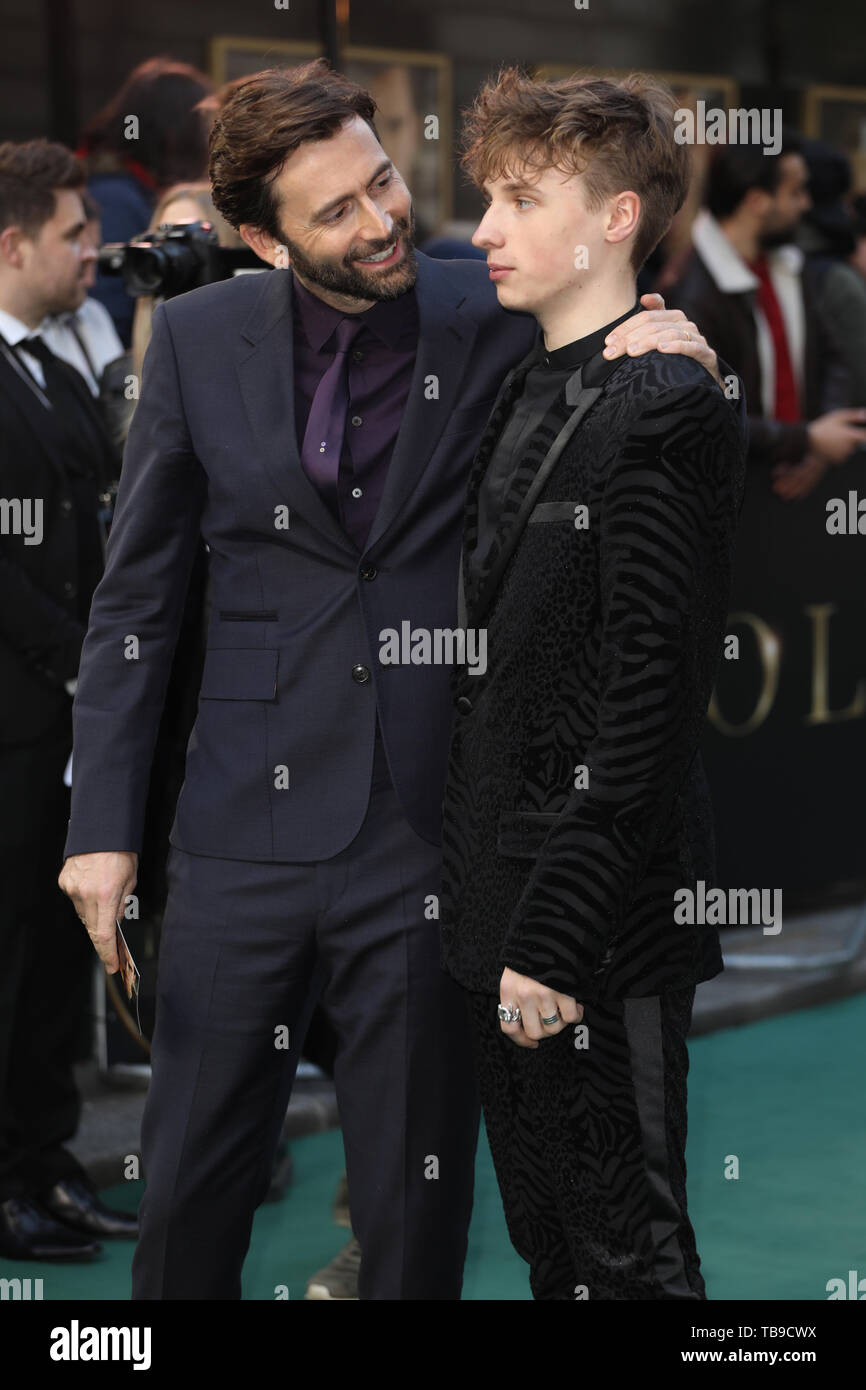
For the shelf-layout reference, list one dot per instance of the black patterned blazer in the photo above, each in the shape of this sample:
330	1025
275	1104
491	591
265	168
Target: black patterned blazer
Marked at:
576	802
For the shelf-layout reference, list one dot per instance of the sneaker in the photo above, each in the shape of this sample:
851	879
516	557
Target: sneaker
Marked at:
339	1279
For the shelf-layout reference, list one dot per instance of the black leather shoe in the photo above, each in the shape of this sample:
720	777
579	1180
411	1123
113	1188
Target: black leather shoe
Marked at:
74	1203
27	1232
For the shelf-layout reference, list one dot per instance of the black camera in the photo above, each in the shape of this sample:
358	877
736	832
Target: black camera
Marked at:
179	256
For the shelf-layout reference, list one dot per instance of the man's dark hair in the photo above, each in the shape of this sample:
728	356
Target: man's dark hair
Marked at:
30	175
263	119
735	169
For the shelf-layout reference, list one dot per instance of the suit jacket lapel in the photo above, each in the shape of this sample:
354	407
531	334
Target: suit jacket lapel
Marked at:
264	364
36	417
478	594
446	337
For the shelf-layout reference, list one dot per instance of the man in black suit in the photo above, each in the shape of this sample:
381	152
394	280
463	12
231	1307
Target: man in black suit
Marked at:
600	523
55	463
315	424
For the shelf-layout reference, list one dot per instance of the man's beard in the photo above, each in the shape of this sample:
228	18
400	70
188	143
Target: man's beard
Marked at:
355	281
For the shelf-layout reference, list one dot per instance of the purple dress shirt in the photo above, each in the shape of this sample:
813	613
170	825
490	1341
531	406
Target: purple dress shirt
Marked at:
381	364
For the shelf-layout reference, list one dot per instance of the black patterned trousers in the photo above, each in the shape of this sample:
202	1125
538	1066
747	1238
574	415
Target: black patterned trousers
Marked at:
588	1136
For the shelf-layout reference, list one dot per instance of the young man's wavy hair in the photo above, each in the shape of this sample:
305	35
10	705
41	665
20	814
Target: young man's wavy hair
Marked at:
619	134
261	121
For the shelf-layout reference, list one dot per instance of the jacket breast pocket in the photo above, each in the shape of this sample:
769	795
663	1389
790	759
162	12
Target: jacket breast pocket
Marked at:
521	834
240	673
469	417
248	615
554	511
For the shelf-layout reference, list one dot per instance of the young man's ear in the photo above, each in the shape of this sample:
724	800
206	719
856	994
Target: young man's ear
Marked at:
623	216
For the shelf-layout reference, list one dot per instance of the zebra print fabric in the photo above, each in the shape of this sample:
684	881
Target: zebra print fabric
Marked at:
576	803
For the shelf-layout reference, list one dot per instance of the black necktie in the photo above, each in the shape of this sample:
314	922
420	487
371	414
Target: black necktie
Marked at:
38	348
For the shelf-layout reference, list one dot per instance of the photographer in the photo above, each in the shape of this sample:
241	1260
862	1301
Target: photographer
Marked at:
56	463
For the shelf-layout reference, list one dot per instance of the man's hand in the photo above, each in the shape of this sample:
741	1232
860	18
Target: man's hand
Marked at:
536	1002
793	481
837	434
97	885
666	329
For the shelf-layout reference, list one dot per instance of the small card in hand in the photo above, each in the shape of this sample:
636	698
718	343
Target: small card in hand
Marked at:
128	968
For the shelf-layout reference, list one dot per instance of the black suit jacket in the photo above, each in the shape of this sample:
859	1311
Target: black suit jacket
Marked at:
40	631
602	648
279	761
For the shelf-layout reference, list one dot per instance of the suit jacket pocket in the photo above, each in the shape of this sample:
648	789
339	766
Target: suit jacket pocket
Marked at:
521	834
240	673
553	511
248	615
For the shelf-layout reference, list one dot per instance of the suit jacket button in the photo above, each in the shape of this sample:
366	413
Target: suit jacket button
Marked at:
66	505
360	674
464	704
369	572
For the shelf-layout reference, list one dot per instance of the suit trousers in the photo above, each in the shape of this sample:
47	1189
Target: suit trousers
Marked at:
588	1135
46	971
246	950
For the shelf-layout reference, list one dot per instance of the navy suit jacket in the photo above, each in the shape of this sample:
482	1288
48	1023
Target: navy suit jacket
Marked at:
279	761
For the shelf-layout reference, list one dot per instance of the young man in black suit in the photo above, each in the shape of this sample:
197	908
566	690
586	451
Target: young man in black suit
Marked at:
601	516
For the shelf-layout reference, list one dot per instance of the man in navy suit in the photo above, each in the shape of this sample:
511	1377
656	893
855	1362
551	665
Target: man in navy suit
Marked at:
316	427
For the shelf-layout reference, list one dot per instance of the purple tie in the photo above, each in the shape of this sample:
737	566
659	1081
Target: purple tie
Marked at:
326	426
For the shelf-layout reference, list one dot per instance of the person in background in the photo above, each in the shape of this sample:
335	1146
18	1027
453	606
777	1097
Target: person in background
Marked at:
828	236
150	134
755	297
86	337
857	259
55	459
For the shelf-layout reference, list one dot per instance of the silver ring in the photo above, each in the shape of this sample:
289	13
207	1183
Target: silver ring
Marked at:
547	1021
508	1013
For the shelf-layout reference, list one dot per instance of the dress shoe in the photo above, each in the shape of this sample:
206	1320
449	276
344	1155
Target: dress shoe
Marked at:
74	1202
28	1232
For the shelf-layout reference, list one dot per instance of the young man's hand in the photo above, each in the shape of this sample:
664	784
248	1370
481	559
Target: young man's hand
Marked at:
666	329
536	1003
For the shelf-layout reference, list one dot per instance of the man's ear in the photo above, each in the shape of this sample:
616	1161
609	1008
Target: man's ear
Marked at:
623	216
274	252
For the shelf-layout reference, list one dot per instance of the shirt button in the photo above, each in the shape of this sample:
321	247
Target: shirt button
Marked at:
356	420
69	587
464	704
356	492
360	674
66	505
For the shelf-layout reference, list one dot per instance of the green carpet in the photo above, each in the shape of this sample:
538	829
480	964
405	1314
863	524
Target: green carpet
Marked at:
785	1097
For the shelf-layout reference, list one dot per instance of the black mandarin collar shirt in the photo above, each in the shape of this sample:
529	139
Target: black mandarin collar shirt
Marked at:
542	386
